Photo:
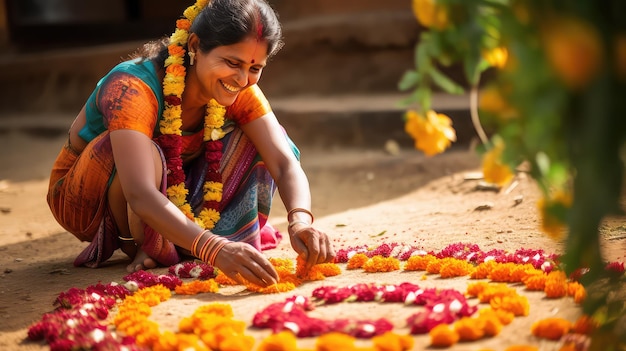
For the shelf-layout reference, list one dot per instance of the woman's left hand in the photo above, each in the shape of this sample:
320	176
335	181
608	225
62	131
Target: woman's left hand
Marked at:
313	245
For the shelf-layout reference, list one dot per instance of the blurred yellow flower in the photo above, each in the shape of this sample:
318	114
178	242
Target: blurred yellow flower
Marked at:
497	57
494	171
433	134
430	14
574	50
551	224
492	101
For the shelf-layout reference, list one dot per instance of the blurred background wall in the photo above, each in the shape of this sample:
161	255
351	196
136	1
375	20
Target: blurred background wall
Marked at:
54	51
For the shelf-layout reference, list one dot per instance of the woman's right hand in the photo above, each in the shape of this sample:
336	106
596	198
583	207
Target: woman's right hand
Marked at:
237	258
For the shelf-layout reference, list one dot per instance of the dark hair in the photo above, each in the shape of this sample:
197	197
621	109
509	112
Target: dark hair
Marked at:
227	22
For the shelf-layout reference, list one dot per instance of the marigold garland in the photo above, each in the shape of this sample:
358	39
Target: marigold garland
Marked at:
170	126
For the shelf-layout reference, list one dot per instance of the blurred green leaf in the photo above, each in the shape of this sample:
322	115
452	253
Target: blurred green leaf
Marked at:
445	83
409	80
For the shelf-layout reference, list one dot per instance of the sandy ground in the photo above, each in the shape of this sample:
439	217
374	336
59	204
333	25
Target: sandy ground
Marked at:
360	197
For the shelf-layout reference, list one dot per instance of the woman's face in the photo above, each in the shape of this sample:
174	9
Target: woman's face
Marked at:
226	70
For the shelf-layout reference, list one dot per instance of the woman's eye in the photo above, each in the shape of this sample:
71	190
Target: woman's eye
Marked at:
232	63
255	69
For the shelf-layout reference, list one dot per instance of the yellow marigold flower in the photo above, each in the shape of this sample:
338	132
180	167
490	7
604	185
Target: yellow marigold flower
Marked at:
213	191
171	126
432	134
430	14
174	60
494	171
551	224
317	272
418	263
469	329
381	264
335	341
390	341
496	57
516	304
357	261
179	36
443	336
551	328
173	85
196	287
209	217
282	263
455	268
281	341
483	270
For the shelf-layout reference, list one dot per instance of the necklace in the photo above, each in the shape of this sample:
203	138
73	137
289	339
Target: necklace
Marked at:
170	125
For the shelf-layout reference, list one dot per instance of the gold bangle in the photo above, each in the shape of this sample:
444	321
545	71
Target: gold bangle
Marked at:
299	209
123	238
297	222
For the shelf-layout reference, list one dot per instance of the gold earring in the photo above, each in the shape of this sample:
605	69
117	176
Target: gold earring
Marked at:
192	57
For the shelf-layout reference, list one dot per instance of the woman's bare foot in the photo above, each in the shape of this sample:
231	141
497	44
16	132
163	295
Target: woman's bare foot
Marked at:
140	262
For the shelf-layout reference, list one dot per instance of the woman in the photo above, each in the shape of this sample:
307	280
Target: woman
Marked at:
178	152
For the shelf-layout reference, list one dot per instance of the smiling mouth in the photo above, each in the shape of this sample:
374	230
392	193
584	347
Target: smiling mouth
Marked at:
230	88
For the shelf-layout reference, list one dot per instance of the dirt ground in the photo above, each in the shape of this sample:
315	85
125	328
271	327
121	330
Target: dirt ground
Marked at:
360	197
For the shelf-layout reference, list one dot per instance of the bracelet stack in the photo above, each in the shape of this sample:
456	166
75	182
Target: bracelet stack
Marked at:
209	250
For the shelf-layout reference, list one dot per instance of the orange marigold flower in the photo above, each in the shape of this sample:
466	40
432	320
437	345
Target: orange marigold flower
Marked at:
434	267
516	304
381	264
178	341
196	287
556	285
335	341
469	329
492	324
443	336
521	271
476	289
521	348
584	325
576	290
281	341
183	23
271	289
390	341
418	263
551	328
223	279
357	261
483	270
455	268
496	290
505	317
535	281
502	272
